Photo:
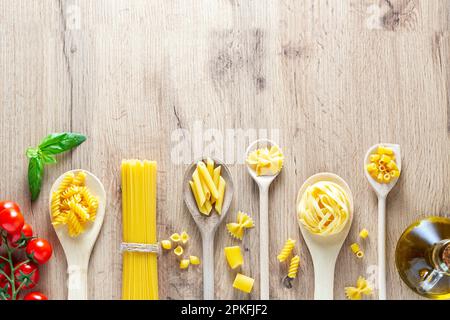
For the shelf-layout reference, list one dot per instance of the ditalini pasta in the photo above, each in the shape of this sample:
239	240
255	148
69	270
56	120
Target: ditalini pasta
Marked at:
243	283
287	250
234	256
73	204
265	161
293	267
382	166
362	288
357	250
208	187
236	229
324	208
140	269
364	234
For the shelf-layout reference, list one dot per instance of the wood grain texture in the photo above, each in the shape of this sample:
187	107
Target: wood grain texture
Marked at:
333	77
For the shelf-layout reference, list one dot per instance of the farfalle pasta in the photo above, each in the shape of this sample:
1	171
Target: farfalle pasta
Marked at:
324	208
73	204
265	161
237	229
362	288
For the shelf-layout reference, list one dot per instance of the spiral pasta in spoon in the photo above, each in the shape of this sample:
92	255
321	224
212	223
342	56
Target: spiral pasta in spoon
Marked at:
324	208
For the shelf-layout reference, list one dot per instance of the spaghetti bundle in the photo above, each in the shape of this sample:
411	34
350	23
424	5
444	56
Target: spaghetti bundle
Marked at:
140	269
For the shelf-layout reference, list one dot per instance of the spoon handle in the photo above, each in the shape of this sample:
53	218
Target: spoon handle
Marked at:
264	240
208	266
382	248
77	282
324	265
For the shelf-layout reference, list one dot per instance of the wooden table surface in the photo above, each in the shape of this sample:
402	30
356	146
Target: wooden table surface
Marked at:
327	79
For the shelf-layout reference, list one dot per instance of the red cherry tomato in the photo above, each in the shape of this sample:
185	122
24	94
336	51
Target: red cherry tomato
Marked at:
26	275
21	238
5	291
9	205
35	296
6	268
39	250
11	220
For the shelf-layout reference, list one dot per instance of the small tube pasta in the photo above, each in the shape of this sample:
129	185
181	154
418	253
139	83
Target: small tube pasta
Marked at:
200	207
166	244
357	250
243	283
364	233
184	263
382	166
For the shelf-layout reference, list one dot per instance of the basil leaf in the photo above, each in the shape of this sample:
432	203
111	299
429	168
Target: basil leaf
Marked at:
48	158
60	142
35	174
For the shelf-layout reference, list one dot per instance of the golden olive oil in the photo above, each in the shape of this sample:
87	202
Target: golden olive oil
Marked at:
423	257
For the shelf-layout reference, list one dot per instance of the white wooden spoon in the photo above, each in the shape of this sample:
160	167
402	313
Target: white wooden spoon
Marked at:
208	224
78	250
382	191
263	183
324	250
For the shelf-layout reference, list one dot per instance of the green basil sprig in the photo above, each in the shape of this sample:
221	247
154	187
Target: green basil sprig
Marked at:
53	144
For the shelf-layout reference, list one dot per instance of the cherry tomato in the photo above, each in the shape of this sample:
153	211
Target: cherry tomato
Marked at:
39	250
11	220
5	291
35	296
6	268
20	239
9	205
26	274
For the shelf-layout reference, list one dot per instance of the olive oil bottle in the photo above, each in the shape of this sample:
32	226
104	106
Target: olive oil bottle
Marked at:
423	257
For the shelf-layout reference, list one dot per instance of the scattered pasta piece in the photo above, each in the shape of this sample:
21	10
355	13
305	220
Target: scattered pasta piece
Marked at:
364	234
184	263
73	204
243	283
208	187
194	260
293	267
265	161
244	221
184	237
234	257
382	166
362	288
175	237
287	250
324	208
166	244
178	251
357	250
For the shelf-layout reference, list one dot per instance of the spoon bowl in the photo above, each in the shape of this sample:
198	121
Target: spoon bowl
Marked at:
208	224
78	250
324	250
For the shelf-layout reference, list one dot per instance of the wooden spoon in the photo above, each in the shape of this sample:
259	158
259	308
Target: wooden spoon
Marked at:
324	250
78	250
208	224
263	183
382	190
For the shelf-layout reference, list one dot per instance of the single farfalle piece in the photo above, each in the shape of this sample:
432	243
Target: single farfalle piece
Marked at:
362	288
237	229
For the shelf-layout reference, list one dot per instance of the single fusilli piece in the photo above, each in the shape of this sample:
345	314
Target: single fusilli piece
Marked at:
293	267
287	250
66	182
74	226
79	178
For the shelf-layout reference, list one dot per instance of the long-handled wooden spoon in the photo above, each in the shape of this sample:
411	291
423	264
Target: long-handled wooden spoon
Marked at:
382	191
78	250
324	250
208	224
263	183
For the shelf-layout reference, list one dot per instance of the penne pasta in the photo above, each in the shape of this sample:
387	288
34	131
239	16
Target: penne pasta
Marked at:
221	192
199	188
201	167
